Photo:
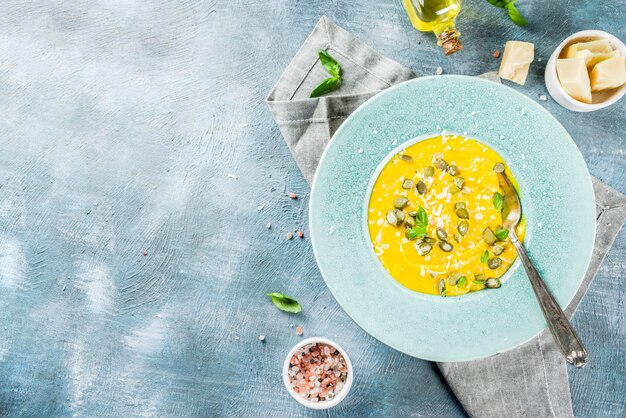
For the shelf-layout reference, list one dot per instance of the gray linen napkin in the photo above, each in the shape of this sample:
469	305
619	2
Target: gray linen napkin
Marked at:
531	378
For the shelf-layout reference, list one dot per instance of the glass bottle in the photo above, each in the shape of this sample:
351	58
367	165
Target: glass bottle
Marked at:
436	16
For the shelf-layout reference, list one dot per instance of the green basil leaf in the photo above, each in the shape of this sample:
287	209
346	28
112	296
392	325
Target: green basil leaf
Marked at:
422	217
284	302
484	257
417	232
515	15
498	201
462	281
498	3
501	234
326	86
329	63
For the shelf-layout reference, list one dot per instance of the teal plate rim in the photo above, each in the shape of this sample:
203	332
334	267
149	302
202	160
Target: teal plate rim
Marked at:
559	208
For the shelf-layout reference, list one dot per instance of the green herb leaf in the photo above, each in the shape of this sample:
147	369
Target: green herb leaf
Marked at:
501	234
462	282
417	232
329	63
498	3
515	15
484	257
331	83
498	200
284	302
326	86
422	217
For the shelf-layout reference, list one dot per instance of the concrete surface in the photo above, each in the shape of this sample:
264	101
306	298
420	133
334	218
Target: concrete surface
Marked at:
131	128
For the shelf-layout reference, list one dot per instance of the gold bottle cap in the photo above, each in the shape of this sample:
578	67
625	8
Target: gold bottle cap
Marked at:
450	42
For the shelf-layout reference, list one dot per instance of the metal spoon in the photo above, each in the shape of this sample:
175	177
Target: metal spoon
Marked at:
563	332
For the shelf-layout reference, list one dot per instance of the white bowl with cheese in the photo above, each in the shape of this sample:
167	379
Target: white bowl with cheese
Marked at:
577	77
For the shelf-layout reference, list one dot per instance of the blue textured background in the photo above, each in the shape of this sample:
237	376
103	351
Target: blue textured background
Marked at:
120	123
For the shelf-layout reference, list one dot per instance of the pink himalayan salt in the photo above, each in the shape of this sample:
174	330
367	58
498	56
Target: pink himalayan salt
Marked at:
317	372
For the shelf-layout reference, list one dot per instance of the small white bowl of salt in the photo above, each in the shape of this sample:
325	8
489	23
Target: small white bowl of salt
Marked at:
318	373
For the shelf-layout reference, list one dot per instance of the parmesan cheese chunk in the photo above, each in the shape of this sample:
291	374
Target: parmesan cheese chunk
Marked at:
608	74
592	59
516	61
600	46
573	76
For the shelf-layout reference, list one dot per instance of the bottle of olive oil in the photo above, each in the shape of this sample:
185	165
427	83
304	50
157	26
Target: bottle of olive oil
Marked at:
437	16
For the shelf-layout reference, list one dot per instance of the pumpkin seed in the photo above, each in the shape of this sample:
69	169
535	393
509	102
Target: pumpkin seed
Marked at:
497	249
413	213
498	168
421	187
423	248
457	237
441	234
400	215
409	222
453	279
441	287
493	283
459	205
454	170
480	277
408	184
445	246
429	240
459	181
407	158
429	171
463	227
392	218
400	202
489	236
454	189
462	213
494	263
441	164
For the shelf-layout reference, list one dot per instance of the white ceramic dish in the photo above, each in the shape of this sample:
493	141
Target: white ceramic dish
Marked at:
600	100
322	404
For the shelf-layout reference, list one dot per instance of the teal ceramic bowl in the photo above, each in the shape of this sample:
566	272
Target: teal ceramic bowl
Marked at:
557	198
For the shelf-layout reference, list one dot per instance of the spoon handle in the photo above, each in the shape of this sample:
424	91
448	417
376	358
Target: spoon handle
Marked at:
559	325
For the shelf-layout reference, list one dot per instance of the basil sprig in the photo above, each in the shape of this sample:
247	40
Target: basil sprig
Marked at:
422	217
421	225
284	302
462	281
417	232
334	69
326	86
329	63
498	201
501	234
484	257
514	14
